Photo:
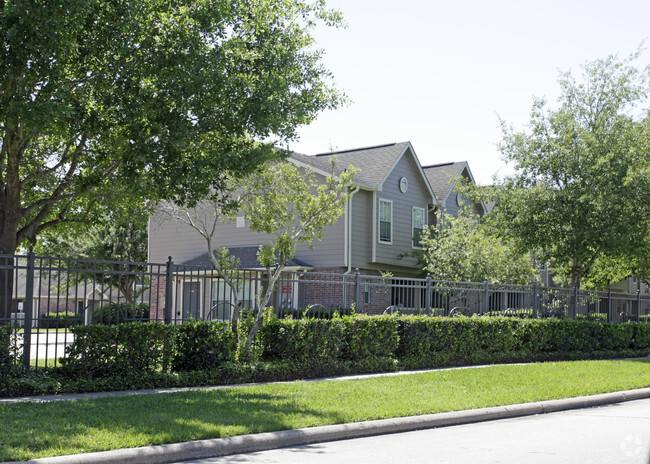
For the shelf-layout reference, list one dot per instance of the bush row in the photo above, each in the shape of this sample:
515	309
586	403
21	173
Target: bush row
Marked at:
100	350
433	342
412	341
118	313
56	320
149	355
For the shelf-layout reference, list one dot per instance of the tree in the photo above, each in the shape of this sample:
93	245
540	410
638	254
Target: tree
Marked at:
462	249
116	235
280	200
580	194
106	102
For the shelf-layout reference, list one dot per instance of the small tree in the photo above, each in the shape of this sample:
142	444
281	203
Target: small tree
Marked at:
464	250
280	200
291	207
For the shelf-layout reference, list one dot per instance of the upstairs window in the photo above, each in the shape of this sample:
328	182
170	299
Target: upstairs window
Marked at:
418	226
385	221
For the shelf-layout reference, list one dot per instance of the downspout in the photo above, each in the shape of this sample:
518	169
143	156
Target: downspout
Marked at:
374	226
348	231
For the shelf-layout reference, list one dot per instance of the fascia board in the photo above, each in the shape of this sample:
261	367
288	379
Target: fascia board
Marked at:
419	166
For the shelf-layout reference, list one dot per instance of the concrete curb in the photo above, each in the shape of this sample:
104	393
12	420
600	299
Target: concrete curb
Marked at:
272	440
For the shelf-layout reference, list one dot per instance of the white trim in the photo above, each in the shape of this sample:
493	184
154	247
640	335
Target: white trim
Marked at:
424	224
374	227
379	240
418	166
346	232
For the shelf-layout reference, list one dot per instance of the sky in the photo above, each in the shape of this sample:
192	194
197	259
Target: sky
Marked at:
441	74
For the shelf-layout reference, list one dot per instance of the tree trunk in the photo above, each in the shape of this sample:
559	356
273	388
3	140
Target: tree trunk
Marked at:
7	263
259	318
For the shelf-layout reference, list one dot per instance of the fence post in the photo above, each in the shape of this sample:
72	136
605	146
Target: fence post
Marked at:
168	291
427	298
486	297
609	305
575	302
29	300
638	304
535	300
357	288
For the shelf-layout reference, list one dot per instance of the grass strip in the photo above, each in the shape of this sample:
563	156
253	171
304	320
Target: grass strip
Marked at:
32	430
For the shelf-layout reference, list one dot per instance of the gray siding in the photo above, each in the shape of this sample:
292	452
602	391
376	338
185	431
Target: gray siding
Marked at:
361	235
398	253
168	237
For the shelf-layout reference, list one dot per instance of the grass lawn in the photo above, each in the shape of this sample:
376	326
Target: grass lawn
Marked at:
32	430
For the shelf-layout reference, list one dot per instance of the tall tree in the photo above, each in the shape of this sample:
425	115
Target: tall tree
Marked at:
581	188
153	98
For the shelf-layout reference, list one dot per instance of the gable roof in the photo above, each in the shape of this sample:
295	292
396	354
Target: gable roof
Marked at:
375	163
247	256
442	177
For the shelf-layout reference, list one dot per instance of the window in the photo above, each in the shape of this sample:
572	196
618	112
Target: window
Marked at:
418	226
222	301
366	294
386	221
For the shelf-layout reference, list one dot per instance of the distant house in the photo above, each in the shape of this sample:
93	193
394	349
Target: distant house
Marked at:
393	203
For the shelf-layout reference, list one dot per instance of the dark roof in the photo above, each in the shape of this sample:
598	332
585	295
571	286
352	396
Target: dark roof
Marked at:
441	177
374	162
246	255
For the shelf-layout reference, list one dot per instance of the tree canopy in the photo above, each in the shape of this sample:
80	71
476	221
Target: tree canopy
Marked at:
462	249
580	194
115	101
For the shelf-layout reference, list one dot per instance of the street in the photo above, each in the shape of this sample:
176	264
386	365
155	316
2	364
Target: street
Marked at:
618	433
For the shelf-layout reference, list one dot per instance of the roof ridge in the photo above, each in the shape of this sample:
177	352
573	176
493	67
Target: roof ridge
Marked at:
356	149
443	164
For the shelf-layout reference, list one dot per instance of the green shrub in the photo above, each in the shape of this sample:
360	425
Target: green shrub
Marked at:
369	337
56	320
7	355
314	312
302	340
203	345
119	313
101	350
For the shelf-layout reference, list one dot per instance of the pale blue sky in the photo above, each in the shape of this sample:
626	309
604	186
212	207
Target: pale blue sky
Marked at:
439	73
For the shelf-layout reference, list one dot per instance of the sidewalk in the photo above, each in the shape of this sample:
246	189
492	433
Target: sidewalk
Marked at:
272	440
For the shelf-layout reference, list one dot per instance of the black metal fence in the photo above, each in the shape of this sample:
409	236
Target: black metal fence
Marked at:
42	297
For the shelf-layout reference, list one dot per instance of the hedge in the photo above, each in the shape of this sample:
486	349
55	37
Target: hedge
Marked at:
56	320
118	349
202	345
119	313
436	342
152	354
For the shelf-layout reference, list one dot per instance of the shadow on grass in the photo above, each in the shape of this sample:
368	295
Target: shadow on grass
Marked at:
50	429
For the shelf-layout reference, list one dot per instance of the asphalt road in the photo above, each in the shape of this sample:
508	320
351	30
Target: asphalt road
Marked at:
618	433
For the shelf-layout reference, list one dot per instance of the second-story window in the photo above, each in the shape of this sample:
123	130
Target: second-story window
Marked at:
418	226
385	221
